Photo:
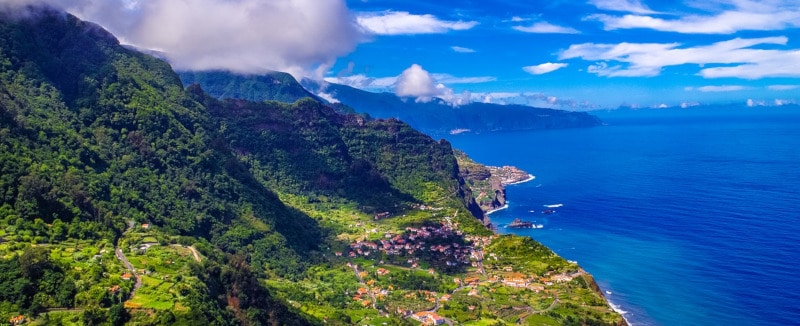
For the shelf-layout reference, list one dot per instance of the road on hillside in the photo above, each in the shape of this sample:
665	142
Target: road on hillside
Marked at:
121	256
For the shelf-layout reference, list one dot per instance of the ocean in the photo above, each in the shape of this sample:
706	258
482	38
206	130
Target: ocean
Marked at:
684	216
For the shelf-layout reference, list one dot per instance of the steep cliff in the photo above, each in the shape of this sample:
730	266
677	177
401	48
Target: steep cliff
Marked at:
489	181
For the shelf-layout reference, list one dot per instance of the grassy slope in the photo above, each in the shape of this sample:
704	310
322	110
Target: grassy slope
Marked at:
95	136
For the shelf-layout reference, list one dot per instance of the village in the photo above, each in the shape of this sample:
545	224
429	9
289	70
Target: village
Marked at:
437	249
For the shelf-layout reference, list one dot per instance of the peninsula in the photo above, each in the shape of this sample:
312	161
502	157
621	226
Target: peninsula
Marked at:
489	181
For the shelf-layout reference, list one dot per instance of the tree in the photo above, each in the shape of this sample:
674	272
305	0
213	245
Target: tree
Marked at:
117	315
93	315
34	261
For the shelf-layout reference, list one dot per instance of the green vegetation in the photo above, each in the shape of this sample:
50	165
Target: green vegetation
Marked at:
125	198
274	86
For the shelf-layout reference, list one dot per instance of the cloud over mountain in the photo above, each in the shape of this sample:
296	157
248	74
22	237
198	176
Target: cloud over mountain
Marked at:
247	36
418	83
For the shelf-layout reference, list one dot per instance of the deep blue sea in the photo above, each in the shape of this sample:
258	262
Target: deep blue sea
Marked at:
684	217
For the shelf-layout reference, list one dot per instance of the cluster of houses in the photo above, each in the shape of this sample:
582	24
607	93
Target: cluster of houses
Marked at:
364	295
413	241
360	297
424	317
428	318
520	280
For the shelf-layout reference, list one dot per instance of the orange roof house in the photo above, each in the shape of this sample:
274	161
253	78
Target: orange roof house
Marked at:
516	280
471	280
17	320
428	318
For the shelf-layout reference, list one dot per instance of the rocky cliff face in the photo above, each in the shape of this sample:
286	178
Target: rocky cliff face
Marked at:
488	182
499	193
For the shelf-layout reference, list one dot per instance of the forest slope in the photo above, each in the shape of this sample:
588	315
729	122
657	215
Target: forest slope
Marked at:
234	212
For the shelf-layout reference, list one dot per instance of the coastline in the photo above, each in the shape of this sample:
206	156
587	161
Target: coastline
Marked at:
616	307
496	210
531	177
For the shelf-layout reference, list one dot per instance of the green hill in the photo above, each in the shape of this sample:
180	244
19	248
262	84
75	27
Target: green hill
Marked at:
273	86
126	198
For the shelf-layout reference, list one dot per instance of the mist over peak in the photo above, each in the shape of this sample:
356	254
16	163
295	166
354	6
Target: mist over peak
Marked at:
302	37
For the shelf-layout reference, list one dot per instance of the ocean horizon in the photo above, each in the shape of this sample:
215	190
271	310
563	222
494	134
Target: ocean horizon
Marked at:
684	217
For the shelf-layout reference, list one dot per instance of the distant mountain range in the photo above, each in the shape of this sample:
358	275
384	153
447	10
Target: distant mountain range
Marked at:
436	117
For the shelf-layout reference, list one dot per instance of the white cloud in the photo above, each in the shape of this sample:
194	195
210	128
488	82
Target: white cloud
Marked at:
302	37
738	56
401	22
460	49
362	81
533	99
544	68
546	28
417	82
328	97
745	15
723	88
782	87
450	79
634	6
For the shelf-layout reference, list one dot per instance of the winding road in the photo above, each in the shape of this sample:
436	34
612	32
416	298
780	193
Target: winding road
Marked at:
121	256
361	280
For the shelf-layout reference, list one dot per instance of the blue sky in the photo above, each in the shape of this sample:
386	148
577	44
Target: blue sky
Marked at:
566	54
597	53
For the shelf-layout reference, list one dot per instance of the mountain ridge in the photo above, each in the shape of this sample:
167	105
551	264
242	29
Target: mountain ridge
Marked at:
234	212
436	117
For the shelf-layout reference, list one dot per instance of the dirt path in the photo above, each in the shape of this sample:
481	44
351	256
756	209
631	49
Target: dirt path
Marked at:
194	253
536	312
364	284
192	249
121	256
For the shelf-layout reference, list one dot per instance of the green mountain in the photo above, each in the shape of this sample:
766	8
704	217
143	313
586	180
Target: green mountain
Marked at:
440	118
274	86
434	118
126	198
